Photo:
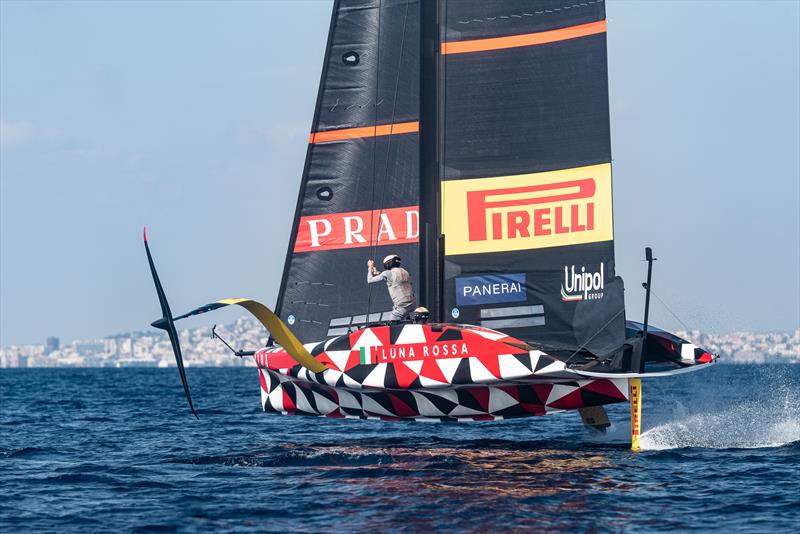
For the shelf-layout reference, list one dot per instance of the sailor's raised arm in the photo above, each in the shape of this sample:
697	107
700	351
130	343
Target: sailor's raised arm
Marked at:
372	273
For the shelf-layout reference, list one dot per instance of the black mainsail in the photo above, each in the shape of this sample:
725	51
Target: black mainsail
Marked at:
359	194
472	138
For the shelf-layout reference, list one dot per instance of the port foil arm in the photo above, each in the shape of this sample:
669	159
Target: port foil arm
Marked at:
277	329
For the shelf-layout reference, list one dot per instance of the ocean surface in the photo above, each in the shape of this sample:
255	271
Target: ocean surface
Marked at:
118	450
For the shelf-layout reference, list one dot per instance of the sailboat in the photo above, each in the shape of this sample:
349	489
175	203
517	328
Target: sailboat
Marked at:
472	139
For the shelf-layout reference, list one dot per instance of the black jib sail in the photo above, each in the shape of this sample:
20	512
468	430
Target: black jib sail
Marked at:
359	195
525	163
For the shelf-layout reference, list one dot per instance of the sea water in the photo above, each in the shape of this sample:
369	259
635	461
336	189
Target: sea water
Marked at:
118	450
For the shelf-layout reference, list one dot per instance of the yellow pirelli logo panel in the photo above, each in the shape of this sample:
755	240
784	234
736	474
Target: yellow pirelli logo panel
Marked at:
527	211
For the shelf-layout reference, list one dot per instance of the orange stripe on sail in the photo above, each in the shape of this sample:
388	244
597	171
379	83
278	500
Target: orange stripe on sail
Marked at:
527	39
365	131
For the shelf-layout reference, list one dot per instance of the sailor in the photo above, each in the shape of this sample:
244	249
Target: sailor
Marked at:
421	315
398	281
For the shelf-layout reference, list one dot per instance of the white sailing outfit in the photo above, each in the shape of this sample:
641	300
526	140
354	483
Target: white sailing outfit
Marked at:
398	281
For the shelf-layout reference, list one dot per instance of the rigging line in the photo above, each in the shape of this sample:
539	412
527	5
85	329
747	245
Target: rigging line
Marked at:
583	345
375	140
670	311
374	242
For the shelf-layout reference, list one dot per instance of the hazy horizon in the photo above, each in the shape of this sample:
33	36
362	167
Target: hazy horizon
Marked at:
192	118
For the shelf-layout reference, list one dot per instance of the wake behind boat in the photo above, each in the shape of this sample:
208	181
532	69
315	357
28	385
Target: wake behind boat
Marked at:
471	139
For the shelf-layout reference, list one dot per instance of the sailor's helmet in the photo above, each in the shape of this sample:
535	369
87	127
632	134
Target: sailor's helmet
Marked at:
392	260
421	315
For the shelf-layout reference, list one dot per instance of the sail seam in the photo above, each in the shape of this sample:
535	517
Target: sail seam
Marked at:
535	13
526	39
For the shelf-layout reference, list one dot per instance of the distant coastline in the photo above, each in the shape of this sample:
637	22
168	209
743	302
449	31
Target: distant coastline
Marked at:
152	349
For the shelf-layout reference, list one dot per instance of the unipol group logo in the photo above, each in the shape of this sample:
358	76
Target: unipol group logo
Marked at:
358	229
580	284
528	211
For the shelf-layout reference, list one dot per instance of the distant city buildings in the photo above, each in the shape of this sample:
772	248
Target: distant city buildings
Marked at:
152	349
141	349
51	344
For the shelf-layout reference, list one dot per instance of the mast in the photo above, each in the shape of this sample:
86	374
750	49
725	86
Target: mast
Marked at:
431	256
648	256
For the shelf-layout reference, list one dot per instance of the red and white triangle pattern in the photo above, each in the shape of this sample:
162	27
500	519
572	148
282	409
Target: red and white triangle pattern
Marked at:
483	374
296	396
468	355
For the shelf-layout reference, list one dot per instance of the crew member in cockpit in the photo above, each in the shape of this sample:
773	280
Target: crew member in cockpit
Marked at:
421	315
398	281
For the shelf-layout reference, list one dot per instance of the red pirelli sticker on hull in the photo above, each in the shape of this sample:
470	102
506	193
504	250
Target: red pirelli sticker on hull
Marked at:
527	211
355	229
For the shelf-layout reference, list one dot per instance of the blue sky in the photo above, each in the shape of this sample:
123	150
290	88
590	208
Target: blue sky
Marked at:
192	118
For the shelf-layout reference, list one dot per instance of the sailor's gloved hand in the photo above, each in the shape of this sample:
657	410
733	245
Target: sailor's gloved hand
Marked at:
370	264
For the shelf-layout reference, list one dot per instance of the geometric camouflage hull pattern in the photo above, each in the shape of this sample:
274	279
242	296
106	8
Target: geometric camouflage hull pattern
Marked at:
292	396
402	372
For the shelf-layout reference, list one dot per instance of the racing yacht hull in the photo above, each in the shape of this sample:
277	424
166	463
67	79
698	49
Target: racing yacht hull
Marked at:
437	372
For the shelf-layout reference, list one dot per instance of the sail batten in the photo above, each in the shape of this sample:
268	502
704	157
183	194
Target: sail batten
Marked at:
379	130
526	39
